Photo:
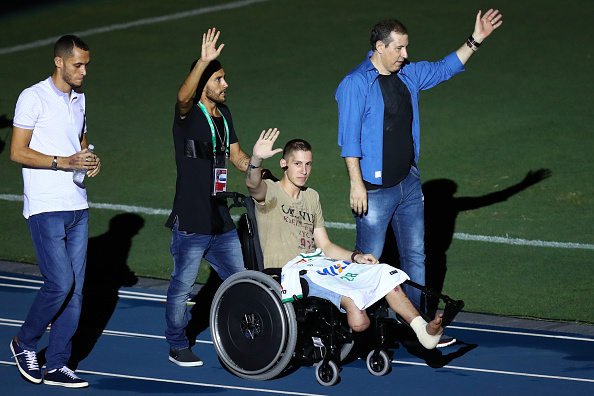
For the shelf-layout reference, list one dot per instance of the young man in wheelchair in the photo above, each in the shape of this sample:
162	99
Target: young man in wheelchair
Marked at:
290	222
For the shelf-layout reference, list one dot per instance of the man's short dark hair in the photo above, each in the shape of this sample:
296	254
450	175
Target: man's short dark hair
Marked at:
383	29
213	67
295	145
64	47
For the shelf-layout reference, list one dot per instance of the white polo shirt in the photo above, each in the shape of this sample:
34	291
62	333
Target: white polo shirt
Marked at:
58	123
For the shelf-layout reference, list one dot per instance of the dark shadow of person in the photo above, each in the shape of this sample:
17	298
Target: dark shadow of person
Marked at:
107	271
398	334
438	358
4	123
200	311
441	211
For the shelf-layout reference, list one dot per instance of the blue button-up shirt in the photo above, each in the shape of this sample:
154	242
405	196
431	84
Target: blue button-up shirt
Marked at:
361	109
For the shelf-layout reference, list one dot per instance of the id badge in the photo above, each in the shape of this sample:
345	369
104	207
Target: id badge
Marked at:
220	180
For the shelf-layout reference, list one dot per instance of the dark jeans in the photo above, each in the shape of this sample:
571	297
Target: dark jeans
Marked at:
60	240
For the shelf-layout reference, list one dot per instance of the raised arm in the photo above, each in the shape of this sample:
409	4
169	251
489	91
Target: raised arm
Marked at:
483	27
262	150
238	157
209	53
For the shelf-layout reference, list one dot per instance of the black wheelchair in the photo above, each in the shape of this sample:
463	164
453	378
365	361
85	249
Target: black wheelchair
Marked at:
258	337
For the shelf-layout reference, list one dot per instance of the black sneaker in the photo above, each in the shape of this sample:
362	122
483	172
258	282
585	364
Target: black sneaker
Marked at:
184	357
26	362
445	341
64	377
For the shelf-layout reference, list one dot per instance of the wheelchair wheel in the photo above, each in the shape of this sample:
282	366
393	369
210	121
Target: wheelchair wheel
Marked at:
378	364
253	332
327	373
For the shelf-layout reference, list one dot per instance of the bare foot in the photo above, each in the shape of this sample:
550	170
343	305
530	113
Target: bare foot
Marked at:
434	327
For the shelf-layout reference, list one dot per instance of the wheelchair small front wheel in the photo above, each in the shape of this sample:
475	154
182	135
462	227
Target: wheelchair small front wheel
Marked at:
378	363
327	373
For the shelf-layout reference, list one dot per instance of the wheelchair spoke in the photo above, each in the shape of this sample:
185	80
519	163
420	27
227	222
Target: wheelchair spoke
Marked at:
251	325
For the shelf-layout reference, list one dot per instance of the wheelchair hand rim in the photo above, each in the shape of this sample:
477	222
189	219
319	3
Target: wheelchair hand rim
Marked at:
287	342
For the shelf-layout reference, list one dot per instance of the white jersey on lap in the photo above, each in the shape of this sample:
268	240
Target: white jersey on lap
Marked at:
365	284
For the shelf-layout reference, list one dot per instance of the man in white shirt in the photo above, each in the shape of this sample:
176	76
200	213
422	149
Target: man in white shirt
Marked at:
49	140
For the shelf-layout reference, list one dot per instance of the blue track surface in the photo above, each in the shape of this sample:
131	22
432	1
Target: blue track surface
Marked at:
130	357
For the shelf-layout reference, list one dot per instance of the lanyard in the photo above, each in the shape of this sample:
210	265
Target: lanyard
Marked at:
212	130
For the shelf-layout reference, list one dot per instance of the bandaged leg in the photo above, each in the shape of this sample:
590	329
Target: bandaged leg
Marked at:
419	325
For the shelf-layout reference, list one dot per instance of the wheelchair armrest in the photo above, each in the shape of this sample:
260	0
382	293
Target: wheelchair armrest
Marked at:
274	272
238	198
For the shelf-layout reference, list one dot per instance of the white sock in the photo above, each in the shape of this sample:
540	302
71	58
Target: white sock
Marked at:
419	325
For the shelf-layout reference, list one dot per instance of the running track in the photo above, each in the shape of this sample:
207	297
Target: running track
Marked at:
130	357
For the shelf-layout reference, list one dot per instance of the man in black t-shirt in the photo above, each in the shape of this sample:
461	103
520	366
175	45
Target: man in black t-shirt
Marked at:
204	139
398	153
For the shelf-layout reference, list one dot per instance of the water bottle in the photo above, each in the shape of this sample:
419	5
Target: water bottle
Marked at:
78	176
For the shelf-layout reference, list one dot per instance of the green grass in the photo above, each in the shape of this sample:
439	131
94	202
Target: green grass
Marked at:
522	105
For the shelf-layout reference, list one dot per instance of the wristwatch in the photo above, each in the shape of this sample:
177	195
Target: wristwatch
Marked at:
55	163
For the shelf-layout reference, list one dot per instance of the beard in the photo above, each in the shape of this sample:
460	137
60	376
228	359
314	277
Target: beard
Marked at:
68	80
212	95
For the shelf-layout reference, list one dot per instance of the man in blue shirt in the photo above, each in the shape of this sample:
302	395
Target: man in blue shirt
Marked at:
379	136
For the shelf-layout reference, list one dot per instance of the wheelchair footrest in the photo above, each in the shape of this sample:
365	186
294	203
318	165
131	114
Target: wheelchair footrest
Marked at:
451	310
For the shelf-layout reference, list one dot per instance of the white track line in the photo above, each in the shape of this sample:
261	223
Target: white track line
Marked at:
498	372
121	293
15	322
141	335
559	337
201	384
12	322
20	286
162	298
488	371
21	279
345	226
127	25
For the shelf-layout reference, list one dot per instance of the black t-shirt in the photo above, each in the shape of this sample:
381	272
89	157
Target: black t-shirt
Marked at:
398	151
196	210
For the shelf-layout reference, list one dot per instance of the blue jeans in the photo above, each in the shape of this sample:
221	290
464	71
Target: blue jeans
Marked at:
60	240
402	205
223	253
